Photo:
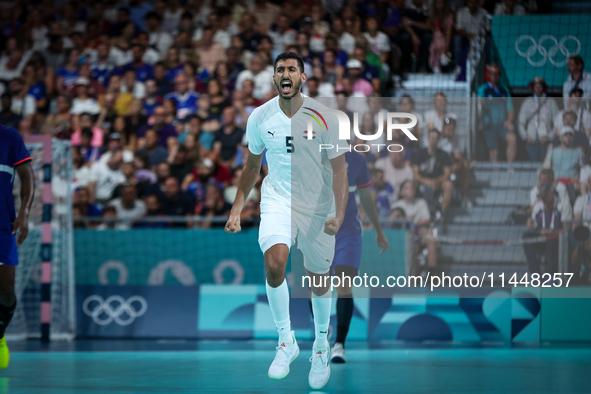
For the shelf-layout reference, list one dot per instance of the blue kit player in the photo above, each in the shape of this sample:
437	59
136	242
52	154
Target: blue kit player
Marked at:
348	245
14	158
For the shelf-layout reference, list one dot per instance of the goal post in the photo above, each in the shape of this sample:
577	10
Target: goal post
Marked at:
44	282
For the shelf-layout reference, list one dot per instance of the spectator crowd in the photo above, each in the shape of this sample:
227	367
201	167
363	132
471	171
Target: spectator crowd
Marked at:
155	96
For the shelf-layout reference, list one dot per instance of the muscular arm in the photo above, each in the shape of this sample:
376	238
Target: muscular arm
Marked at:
340	188
25	173
250	174
369	207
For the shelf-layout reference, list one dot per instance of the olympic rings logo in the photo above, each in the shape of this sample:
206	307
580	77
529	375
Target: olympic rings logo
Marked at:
547	54
115	308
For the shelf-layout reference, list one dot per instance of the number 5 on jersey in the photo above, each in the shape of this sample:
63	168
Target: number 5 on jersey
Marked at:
289	144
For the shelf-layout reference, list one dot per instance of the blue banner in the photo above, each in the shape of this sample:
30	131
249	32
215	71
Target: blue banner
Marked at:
137	311
242	312
540	45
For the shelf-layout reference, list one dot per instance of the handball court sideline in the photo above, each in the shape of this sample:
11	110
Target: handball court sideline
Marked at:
176	366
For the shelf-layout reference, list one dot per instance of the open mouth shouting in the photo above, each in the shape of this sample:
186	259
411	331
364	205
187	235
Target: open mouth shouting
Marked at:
286	86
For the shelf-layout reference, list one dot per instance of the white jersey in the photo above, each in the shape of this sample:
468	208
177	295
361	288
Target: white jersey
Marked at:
300	174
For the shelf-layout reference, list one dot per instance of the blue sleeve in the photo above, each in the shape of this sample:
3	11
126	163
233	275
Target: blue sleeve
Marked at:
375	72
342	58
121	70
19	151
38	91
362	179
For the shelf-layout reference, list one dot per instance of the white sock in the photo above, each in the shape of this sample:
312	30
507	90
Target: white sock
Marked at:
279	303
321	308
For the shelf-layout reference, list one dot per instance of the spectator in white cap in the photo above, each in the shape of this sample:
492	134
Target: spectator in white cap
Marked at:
536	118
566	161
83	102
114	145
358	84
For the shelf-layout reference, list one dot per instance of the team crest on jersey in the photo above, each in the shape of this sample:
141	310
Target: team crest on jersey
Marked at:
306	134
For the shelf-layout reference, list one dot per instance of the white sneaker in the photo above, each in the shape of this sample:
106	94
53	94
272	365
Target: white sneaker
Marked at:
284	355
320	371
337	354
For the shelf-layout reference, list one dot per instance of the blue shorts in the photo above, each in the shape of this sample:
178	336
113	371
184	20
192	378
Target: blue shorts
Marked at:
8	251
347	252
494	132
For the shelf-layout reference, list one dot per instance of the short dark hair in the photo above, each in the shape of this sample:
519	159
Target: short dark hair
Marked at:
153	15
409	98
578	60
332	51
547	171
143	158
577	91
86	132
6	95
109	208
398	209
572	113
290	55
375	171
223	11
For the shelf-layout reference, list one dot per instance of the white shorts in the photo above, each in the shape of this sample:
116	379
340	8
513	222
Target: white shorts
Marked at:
281	225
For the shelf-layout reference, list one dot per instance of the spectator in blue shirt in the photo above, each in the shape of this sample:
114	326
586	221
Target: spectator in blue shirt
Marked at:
138	10
331	44
185	100
156	153
68	73
497	115
143	71
151	100
385	195
102	68
89	153
173	64
163	85
370	72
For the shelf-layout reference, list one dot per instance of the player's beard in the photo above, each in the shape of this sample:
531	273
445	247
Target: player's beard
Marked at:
295	89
